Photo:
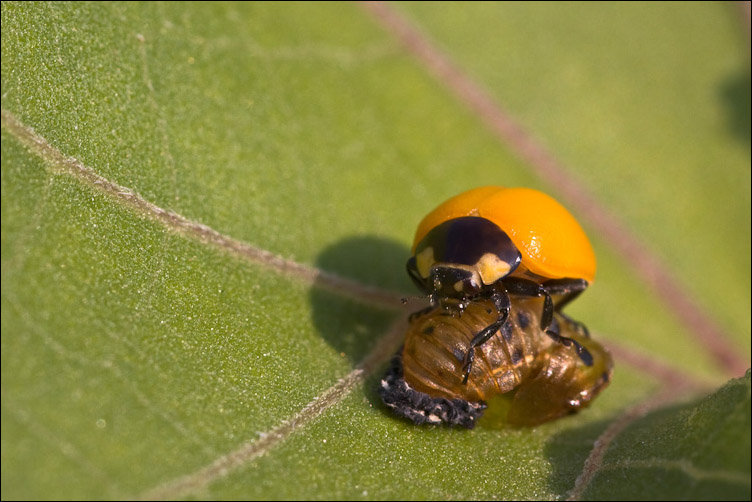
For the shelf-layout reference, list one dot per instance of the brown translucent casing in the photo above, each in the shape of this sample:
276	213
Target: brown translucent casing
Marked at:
521	370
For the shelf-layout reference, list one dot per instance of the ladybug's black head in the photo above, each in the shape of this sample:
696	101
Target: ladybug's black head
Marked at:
449	281
460	258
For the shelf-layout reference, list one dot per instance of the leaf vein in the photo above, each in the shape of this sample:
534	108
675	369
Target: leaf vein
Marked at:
688	468
177	223
644	262
248	452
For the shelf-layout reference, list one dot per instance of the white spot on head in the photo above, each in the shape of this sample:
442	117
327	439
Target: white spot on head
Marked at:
492	268
424	260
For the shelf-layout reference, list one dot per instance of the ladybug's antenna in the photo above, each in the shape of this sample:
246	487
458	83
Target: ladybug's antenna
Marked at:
406	299
431	297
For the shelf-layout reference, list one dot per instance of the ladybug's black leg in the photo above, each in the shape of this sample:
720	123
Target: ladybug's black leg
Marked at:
525	287
502	304
584	353
568	290
568	287
577	324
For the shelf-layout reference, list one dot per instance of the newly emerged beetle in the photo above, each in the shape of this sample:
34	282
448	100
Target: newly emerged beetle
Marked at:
492	242
526	376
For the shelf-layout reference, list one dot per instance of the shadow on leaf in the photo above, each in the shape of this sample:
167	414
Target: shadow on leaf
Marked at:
352	328
735	96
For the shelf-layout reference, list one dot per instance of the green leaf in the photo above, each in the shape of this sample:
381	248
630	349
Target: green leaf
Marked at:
648	108
207	207
697	451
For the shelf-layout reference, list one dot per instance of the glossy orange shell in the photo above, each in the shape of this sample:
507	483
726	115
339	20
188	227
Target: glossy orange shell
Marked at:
552	243
526	377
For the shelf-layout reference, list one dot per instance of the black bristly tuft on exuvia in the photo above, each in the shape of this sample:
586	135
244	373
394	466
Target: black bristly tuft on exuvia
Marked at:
421	408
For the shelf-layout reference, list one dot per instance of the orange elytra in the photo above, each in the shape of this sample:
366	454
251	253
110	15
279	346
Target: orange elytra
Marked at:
551	242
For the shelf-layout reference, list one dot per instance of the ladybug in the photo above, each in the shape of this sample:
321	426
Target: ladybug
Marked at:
491	242
526	376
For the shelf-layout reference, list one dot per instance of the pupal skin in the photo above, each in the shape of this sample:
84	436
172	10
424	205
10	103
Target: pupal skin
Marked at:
533	376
